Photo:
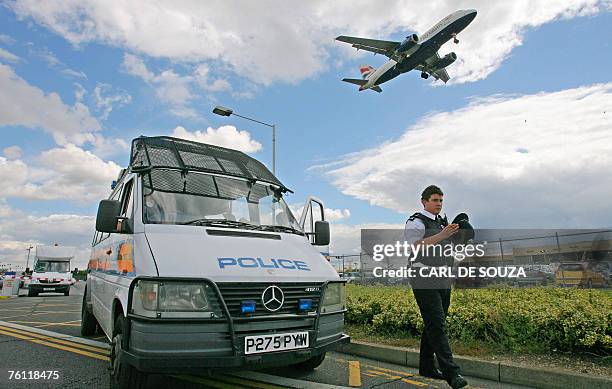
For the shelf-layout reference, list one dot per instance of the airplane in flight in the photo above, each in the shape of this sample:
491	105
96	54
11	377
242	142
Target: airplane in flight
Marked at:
420	53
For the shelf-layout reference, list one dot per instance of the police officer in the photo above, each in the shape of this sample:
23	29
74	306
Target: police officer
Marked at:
433	294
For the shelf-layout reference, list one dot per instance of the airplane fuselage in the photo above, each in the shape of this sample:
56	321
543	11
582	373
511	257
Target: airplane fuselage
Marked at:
430	42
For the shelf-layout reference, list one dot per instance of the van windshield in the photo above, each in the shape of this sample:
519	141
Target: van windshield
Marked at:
175	197
52	266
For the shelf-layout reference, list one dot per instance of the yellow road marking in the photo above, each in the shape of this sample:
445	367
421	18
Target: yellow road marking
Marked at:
417	383
74	323
354	374
56	340
208	382
394	371
382	373
373	373
58	346
46	323
241	381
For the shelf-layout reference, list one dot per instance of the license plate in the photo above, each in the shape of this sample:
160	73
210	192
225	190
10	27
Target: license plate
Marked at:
275	342
48	289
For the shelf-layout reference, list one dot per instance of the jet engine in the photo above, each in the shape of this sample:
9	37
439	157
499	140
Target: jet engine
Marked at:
445	61
408	43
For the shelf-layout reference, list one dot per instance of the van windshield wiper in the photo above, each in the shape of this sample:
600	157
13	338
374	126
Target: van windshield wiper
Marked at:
221	223
269	227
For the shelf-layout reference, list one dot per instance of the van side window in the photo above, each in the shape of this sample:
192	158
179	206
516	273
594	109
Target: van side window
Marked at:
126	203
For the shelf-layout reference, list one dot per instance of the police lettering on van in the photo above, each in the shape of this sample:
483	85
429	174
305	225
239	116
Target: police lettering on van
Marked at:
271	263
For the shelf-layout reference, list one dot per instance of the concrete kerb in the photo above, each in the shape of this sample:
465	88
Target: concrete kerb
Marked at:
494	371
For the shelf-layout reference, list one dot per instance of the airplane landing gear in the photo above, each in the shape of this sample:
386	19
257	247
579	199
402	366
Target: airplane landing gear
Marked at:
455	40
424	75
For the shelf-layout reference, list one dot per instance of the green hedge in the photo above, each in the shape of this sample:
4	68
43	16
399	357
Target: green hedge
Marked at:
515	319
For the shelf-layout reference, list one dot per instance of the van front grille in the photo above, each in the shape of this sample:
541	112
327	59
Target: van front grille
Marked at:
234	293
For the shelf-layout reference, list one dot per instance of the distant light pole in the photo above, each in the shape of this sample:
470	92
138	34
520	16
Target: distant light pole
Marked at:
223	111
28	261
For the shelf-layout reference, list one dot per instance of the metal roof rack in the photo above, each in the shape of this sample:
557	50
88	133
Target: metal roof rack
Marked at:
173	153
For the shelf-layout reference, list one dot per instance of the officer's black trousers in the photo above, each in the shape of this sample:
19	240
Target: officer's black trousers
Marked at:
433	304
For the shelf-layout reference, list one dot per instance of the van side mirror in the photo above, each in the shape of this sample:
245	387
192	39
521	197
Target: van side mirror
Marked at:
108	212
321	233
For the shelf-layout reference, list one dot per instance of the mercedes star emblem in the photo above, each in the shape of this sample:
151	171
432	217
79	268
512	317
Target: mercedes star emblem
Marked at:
273	298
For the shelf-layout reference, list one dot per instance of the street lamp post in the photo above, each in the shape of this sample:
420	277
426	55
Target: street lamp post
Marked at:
28	261
223	111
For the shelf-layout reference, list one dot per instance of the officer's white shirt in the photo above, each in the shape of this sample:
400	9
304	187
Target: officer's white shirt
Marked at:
415	229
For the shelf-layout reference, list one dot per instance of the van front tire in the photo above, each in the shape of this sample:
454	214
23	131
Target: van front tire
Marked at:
88	320
122	374
310	364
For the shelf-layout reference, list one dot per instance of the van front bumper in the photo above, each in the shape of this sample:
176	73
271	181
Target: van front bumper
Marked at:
50	288
186	364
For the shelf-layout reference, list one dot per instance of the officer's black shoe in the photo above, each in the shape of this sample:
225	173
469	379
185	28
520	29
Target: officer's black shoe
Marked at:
457	382
435	374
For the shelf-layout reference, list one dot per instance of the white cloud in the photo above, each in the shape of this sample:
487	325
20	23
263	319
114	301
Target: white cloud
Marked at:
79	92
108	97
294	41
331	214
346	238
175	89
225	136
67	173
7	40
556	180
13	152
106	147
8	56
73	73
19	230
25	105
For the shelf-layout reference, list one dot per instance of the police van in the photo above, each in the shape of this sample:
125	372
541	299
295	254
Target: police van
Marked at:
52	272
198	264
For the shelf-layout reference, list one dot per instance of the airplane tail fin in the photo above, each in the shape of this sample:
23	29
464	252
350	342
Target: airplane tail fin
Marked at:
361	83
366	70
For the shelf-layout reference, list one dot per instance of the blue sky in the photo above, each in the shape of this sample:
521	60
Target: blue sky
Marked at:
117	81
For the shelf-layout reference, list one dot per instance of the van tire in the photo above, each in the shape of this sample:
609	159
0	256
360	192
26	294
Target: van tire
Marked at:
122	374
31	293
310	364
88	320
67	293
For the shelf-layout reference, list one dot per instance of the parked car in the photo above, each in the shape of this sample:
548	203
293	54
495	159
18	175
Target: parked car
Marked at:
578	274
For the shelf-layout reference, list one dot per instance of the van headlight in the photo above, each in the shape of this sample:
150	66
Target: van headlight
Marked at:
174	299
334	297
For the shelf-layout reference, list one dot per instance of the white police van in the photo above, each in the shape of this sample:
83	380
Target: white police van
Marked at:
198	264
52	272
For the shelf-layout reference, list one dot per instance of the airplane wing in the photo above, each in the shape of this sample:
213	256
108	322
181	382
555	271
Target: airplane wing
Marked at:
441	74
376	46
438	74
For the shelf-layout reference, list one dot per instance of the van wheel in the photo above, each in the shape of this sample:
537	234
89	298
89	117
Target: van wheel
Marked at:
88	320
310	364
67	293
31	293
123	375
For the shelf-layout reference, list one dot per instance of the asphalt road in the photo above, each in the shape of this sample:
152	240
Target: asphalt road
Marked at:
42	334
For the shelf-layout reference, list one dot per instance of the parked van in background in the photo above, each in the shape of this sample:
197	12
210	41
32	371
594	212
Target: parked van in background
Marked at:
198	264
52	272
